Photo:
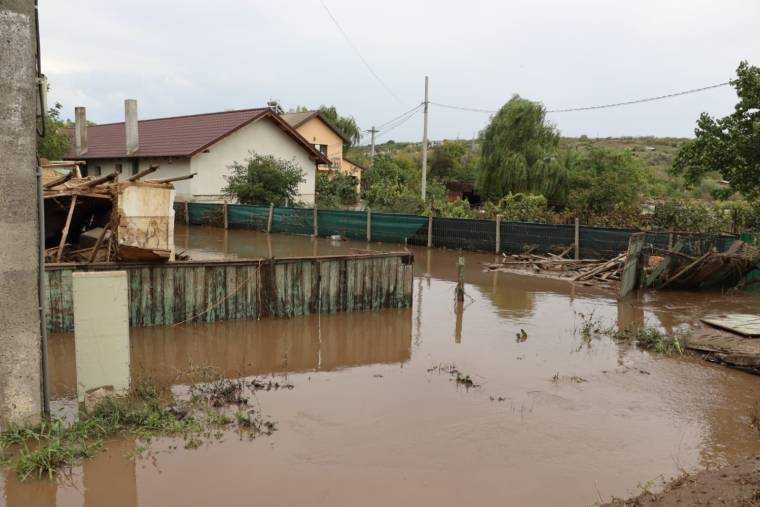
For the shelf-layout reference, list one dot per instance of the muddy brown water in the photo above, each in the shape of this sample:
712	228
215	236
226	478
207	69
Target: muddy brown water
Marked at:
368	424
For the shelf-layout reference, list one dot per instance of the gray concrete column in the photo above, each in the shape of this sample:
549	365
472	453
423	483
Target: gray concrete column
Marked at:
20	351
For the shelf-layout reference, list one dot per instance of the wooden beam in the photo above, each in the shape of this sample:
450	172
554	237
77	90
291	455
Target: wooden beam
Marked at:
59	181
176	178
97	181
97	245
142	173
65	233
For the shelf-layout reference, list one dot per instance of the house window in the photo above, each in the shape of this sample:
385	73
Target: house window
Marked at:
322	148
98	171
117	167
135	166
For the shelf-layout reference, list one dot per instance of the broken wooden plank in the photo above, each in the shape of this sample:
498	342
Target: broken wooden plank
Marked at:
630	277
664	265
97	244
65	232
685	270
599	269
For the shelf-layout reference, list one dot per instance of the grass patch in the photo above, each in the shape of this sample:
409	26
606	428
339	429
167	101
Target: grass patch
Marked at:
651	339
43	450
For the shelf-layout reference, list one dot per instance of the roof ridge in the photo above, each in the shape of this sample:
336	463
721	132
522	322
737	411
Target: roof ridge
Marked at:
251	109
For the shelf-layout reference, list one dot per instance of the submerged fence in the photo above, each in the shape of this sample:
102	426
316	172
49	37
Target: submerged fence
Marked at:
464	234
209	291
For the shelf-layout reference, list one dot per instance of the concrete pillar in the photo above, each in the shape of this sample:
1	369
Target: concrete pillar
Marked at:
80	131
20	341
130	126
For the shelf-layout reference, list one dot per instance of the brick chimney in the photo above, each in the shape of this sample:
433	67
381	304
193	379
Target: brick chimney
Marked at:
80	131
130	126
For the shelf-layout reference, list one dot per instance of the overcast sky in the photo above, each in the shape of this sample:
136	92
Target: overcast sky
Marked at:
189	56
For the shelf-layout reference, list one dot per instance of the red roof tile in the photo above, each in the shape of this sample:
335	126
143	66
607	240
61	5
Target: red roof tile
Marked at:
178	136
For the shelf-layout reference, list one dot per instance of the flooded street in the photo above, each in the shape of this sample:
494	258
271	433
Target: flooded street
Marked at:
375	418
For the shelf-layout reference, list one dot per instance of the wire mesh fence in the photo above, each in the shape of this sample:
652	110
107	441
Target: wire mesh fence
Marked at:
454	233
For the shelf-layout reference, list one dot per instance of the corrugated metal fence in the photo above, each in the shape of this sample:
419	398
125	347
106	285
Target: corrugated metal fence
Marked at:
464	234
172	293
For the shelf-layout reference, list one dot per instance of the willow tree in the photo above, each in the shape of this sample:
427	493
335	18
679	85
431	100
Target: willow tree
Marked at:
520	154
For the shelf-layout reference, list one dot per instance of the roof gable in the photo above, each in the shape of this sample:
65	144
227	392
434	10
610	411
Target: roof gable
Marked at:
295	120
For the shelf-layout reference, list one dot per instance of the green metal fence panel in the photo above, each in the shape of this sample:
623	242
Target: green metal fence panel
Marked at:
293	220
397	228
465	234
349	224
516	237
206	214
244	216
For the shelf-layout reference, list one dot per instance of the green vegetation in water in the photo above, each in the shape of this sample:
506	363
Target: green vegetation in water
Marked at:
44	449
649	338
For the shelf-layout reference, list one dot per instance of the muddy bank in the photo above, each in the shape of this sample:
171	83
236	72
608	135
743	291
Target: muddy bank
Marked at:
736	485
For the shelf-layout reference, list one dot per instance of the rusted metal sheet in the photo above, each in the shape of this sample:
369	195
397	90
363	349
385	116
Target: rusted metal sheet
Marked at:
178	292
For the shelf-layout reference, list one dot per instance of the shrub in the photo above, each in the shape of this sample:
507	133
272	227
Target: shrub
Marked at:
264	179
335	190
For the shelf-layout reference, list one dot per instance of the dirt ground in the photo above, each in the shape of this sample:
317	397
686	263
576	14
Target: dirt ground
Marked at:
737	484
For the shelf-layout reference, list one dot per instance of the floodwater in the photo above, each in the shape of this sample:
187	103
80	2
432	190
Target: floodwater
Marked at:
555	420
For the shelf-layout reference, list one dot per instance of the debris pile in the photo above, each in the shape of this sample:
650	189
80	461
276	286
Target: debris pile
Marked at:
643	266
102	219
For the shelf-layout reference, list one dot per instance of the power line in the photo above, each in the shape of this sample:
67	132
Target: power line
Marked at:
382	126
590	108
359	54
401	121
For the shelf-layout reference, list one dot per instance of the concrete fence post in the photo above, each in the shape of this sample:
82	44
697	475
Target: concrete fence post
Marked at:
430	232
498	233
226	215
187	213
577	238
270	217
369	225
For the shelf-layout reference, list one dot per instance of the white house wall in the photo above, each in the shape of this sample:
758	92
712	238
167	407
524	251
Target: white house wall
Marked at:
262	137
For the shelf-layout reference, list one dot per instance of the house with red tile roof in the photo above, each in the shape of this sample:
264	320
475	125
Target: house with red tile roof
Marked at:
205	144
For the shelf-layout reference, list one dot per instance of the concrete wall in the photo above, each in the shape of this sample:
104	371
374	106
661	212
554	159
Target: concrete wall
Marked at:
20	350
262	137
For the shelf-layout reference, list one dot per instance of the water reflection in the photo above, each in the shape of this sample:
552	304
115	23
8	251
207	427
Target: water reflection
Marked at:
248	348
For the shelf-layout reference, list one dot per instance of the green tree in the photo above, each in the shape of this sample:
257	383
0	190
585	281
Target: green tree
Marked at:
346	124
602	180
447	159
335	190
264	179
729	145
56	142
520	154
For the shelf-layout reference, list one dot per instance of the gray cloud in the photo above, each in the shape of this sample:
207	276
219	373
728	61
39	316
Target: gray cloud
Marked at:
183	57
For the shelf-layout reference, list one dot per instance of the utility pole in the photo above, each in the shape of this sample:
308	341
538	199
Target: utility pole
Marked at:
372	132
425	143
21	393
